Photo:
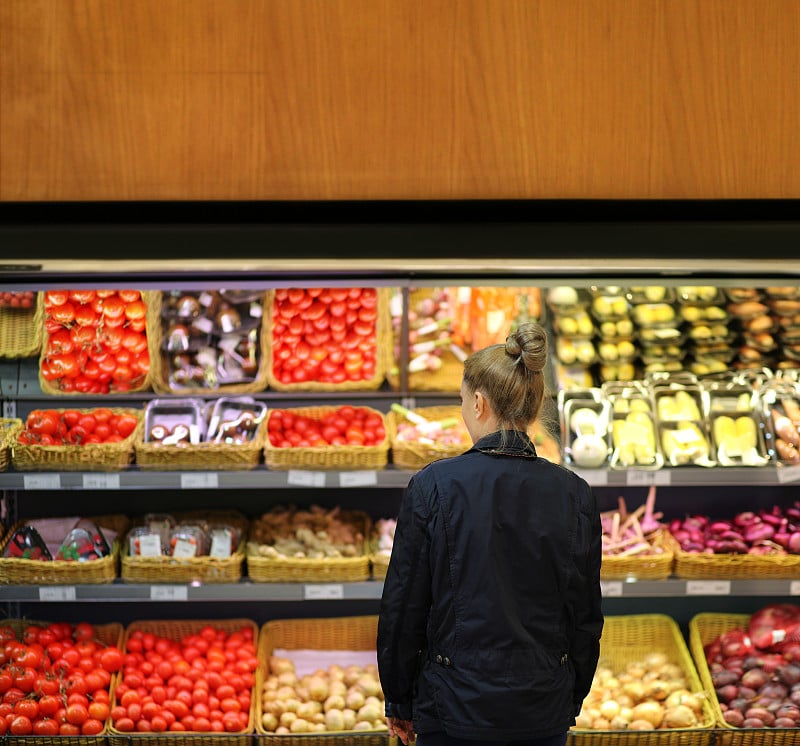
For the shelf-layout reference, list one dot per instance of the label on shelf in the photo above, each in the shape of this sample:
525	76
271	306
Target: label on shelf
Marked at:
301	478
199	480
57	593
42	481
794	588
169	593
594	477
358	478
642	478
708	587
611	588
326	592
788	474
101	481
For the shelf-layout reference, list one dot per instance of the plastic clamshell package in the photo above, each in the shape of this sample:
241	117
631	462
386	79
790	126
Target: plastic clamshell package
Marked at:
231	417
584	415
169	413
634	440
681	424
780	411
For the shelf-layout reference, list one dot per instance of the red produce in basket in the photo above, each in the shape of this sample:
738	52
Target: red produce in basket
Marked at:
775	627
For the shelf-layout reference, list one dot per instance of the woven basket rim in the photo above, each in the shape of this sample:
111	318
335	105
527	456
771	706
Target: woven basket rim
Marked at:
34	325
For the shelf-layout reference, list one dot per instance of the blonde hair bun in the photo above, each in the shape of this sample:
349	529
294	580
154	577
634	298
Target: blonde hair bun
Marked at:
528	344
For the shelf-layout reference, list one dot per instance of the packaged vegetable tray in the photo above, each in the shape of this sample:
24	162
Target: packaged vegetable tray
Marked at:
21	571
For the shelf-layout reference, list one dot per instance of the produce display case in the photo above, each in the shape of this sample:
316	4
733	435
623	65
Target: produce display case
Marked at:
621	260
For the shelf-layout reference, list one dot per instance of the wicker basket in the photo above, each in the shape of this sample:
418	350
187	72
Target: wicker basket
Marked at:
304	570
413	456
160	369
204	569
86	457
201	456
106	634
641	566
176	630
17	571
9	429
698	566
49	388
630	638
327	457
703	629
21	330
379	564
383	353
343	633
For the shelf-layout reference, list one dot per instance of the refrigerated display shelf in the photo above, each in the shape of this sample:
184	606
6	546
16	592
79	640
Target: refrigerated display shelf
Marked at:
367	590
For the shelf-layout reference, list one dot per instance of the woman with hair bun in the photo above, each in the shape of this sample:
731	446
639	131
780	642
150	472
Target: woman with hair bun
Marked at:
490	618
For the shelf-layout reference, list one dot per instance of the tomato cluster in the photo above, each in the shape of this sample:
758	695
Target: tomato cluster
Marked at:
201	683
346	425
97	340
55	680
17	299
51	427
326	335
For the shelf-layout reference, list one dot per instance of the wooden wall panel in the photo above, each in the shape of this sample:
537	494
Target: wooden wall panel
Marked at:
368	99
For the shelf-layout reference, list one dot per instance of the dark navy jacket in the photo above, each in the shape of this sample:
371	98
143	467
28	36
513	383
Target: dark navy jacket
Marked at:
490	619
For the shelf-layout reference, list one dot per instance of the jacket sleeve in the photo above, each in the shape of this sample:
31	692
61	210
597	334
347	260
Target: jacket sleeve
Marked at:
585	597
405	604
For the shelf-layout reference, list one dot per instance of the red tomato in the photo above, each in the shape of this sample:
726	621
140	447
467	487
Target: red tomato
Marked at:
63	314
56	297
86	316
92	726
126	424
113	308
45	727
20	726
42	421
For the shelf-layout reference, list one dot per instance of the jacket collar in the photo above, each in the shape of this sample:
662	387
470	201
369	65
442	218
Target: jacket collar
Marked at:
517	443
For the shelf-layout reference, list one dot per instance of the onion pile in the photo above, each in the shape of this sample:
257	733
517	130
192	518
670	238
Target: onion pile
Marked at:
775	531
648	694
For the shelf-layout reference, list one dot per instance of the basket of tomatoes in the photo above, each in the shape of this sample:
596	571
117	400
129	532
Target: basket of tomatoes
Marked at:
21	316
57	679
328	339
186	660
95	342
98	439
326	437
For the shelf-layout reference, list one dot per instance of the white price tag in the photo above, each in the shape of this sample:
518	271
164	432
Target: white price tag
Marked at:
327	592
42	481
788	474
220	544
57	593
199	480
358	478
169	593
101	481
593	477
306	478
642	478
611	589
150	545
794	588
184	548
708	587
